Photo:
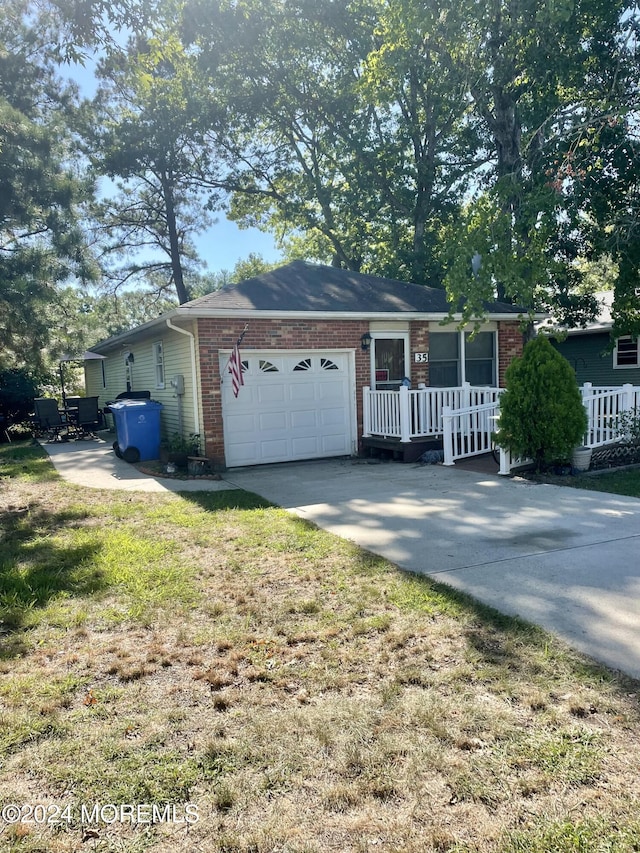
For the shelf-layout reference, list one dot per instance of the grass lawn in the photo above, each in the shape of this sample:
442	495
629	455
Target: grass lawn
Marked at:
622	482
270	687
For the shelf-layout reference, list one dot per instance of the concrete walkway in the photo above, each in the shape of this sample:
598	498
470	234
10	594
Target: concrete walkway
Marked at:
565	559
93	464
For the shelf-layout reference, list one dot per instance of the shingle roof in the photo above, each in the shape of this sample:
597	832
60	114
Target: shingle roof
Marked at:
301	286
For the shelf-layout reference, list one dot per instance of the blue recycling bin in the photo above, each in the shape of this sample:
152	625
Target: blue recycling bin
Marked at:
137	425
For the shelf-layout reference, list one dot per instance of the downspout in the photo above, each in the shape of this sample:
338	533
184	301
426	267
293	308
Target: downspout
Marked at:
196	414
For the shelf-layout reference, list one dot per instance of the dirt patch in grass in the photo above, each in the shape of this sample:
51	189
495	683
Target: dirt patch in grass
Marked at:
213	657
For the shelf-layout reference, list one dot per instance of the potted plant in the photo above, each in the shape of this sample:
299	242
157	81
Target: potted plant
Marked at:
178	449
581	458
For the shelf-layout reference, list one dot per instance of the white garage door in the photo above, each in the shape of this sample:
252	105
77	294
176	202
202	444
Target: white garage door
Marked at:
293	405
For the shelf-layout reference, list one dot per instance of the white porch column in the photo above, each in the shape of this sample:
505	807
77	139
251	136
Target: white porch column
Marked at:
366	411
447	434
405	414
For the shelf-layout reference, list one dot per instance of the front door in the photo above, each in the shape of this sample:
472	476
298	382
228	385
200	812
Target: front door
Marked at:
389	361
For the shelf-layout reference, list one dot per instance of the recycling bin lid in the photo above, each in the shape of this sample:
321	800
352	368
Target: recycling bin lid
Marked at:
135	404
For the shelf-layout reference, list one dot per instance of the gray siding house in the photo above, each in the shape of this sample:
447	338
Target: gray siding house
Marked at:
589	351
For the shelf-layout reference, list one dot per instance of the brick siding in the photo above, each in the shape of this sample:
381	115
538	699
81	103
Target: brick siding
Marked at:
217	334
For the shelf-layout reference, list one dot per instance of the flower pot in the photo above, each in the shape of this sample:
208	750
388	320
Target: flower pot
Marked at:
581	458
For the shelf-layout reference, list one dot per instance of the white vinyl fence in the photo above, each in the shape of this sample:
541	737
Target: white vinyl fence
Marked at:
466	417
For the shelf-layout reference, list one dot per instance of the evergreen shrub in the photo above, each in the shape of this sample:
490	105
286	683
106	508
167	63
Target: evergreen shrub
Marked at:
542	416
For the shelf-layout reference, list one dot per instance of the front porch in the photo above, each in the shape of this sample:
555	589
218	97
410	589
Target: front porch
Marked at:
406	423
462	421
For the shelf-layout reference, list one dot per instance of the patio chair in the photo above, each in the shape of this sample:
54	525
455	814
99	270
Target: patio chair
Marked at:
88	417
48	420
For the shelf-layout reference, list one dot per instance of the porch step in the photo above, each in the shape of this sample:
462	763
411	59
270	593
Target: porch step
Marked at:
407	451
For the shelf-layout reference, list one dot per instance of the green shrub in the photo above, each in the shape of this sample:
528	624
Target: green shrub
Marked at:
542	416
18	387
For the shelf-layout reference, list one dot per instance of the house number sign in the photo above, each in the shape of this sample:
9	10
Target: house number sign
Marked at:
421	357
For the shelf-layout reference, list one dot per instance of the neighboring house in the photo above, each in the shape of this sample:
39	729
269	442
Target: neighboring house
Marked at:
590	353
315	336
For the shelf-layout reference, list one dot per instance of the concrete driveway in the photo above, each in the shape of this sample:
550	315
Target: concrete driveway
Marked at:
563	558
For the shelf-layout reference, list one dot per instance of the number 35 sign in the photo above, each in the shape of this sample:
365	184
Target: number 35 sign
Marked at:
421	357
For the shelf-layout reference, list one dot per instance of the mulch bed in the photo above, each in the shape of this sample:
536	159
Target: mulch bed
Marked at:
159	469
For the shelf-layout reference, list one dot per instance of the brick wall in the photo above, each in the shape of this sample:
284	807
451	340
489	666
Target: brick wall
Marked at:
216	334
510	345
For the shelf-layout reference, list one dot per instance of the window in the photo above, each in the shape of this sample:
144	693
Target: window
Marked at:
389	360
444	360
479	358
128	370
305	364
158	362
327	364
457	357
625	353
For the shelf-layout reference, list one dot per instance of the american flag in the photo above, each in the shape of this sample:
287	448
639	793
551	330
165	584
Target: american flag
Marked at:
235	369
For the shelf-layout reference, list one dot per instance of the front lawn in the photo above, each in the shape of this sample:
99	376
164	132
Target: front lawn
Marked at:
622	482
269	687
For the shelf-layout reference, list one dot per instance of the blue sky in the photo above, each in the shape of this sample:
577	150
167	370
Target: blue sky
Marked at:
224	244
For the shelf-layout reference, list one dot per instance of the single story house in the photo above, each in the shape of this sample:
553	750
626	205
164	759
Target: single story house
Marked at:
314	337
588	350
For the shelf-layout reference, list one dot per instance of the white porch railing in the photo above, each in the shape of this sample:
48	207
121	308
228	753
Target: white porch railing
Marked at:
406	414
603	406
466	417
467	431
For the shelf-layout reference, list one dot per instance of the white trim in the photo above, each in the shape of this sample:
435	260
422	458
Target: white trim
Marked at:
617	366
157	350
462	350
397	316
192	314
388	334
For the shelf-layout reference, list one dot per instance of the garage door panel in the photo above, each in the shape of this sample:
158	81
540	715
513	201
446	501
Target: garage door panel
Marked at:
331	392
246	453
305	447
303	392
273	451
285	413
268	421
304	419
272	392
242	424
332	417
334	444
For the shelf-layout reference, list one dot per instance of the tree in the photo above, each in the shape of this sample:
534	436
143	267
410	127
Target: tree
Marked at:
41	241
542	416
544	71
149	134
340	125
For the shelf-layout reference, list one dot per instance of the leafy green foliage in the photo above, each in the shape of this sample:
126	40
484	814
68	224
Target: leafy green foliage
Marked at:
41	243
542	416
18	387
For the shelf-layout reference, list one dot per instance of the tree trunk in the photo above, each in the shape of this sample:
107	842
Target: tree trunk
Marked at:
174	245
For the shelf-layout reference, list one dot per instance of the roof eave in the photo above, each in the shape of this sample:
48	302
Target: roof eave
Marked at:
122	337
248	313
